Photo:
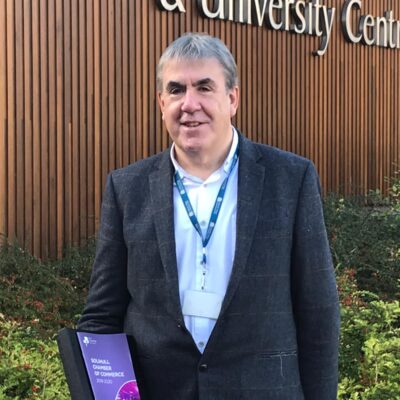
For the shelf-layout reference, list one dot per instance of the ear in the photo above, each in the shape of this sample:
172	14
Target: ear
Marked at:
160	101
234	95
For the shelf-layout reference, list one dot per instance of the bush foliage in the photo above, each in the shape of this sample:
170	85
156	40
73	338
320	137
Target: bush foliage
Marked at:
47	295
369	361
31	368
366	238
38	298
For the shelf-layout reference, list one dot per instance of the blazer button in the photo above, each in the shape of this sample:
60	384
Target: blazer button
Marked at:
203	367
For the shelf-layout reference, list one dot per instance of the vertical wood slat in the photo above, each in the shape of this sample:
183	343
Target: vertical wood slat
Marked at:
36	181
11	124
3	122
74	124
90	101
61	131
132	83
118	85
125	142
19	162
77	99
26	141
64	145
104	87
41	230
110	132
97	105
139	81
82	134
52	132
145	79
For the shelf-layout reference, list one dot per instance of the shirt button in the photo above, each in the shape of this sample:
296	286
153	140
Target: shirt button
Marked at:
203	367
203	223
201	344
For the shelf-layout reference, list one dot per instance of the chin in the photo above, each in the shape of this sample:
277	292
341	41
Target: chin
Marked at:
192	148
192	143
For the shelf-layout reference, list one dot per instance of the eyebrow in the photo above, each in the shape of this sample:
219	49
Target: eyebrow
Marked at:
205	81
178	85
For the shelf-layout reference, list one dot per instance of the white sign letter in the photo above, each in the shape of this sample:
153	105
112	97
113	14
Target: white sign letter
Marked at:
218	11
167	6
260	13
346	20
272	6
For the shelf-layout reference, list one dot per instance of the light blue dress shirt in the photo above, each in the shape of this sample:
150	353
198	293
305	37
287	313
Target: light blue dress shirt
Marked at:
221	247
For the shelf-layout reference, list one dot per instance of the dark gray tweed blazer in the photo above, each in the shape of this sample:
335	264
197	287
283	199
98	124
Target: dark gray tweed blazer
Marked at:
277	334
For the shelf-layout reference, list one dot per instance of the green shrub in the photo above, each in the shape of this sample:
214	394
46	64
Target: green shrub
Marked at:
30	367
76	267
370	344
45	295
365	241
37	299
366	238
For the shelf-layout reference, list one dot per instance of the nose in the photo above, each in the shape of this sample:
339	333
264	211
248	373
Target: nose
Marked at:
190	102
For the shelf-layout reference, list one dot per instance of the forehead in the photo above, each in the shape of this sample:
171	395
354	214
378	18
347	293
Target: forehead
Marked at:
193	70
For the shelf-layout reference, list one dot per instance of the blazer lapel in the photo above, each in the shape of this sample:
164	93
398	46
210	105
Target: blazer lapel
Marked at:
160	182
250	187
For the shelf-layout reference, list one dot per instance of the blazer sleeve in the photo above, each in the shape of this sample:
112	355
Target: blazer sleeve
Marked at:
108	294
314	294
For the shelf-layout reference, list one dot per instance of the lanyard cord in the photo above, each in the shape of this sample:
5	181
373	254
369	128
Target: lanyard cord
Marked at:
216	209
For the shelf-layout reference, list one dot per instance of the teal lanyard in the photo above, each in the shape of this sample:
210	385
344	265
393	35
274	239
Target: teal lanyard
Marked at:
216	209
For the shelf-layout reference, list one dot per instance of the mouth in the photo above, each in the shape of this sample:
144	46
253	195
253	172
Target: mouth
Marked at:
191	124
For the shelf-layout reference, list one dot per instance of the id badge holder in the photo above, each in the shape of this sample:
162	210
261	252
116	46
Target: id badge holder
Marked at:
202	304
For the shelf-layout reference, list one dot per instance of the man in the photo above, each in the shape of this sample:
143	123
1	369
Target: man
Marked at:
213	255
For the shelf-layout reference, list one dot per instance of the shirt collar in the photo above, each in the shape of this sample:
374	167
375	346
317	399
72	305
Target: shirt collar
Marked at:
225	166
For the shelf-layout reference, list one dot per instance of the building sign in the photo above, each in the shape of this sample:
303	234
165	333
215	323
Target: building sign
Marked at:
372	31
309	17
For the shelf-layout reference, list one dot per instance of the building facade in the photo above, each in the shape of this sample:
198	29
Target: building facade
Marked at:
78	96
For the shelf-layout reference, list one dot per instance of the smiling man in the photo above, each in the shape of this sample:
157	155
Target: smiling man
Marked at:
213	255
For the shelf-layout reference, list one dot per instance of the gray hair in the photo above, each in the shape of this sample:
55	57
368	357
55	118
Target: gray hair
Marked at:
197	46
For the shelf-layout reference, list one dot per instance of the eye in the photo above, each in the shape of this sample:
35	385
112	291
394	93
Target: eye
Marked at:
175	90
204	88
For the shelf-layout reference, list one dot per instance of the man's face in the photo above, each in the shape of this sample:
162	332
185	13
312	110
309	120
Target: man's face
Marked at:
197	108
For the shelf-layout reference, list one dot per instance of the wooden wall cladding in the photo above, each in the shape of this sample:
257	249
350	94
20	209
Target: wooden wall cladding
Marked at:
77	99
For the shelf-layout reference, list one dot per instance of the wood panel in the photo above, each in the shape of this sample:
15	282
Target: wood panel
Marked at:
77	99
3	120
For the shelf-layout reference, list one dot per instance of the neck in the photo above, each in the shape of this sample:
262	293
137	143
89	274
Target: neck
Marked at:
200	164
